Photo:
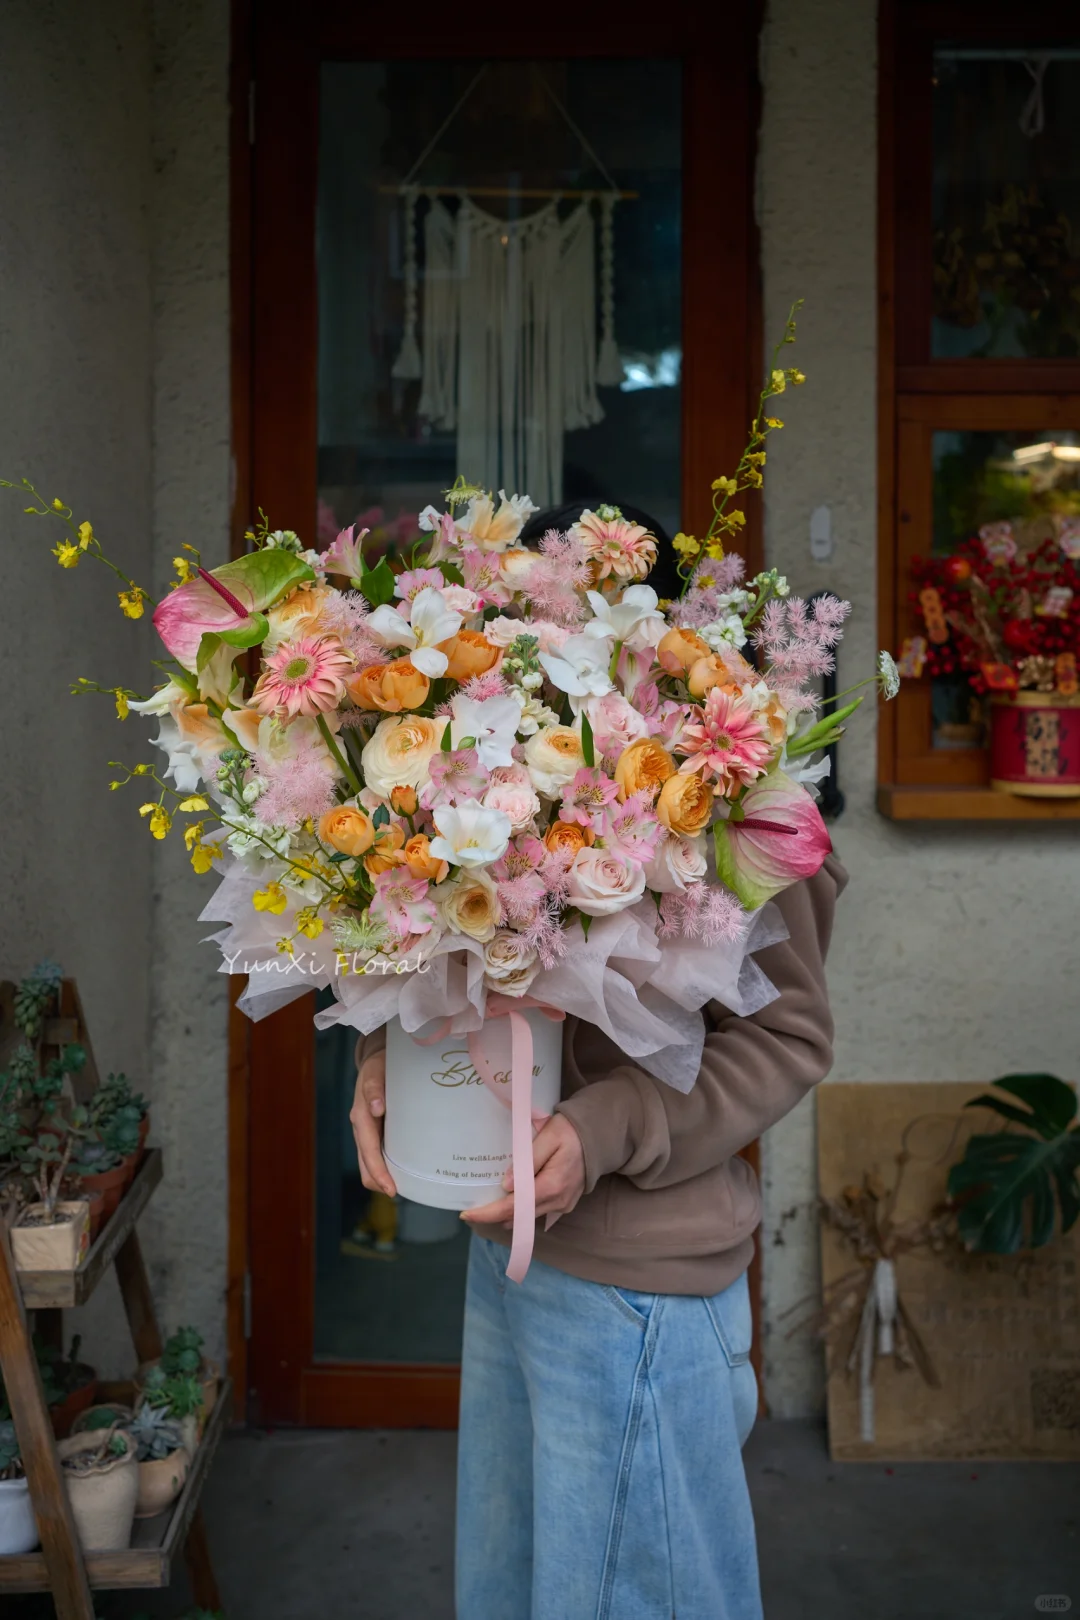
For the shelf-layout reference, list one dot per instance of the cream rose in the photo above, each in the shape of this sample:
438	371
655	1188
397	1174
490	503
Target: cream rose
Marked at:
510	965
602	882
678	863
470	905
512	792
399	752
554	758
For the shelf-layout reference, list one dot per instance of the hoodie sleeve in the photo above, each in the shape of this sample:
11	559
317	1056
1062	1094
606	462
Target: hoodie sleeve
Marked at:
754	1070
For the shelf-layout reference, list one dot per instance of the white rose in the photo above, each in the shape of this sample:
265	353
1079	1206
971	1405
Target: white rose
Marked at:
459	599
677	864
470	905
503	630
602	882
400	751
511	791
554	758
510	965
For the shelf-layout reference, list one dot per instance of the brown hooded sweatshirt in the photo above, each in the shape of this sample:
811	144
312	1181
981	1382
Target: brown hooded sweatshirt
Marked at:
668	1206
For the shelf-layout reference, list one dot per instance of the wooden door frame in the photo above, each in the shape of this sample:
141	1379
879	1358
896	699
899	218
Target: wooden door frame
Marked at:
276	50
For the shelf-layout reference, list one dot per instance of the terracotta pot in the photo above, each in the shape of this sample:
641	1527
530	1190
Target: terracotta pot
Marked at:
65	1412
60	1247
129	1166
160	1483
110	1184
96	1200
102	1502
1035	744
144	1132
18	1527
118	1413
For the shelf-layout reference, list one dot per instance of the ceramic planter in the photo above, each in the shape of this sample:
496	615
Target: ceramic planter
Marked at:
60	1247
1035	744
113	1411
448	1135
18	1527
65	1412
103	1501
160	1482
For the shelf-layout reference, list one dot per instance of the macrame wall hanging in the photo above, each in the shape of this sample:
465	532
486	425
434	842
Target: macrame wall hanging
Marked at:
507	353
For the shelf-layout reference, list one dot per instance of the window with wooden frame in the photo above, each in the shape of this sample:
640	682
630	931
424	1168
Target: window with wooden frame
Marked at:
979	382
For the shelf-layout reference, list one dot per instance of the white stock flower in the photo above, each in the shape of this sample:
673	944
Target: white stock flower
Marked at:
726	632
635	619
535	713
580	667
469	835
492	725
430	621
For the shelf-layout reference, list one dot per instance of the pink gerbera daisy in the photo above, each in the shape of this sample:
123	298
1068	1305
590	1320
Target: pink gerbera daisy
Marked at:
303	677
615	546
725	740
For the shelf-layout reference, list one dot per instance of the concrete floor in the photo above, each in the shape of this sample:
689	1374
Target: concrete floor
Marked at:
308	1525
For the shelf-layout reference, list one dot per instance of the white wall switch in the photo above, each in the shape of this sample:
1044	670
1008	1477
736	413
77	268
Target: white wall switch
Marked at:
821	535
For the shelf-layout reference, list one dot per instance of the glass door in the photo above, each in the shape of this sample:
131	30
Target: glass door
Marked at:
508	267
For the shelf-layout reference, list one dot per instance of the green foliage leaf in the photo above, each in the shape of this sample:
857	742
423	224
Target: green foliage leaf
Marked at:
1005	1184
381	814
249	634
588	752
452	574
378	583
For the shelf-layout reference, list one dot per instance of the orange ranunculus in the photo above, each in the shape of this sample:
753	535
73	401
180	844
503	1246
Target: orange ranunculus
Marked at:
705	673
387	852
685	804
566	838
347	830
403	800
643	765
389	687
421	862
678	649
469	654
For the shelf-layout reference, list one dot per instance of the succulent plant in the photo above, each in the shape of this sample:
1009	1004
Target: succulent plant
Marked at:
178	1394
10	1457
155	1433
183	1351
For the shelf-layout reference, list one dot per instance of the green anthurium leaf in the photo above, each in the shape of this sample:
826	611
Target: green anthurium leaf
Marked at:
208	646
250	633
378	583
588	753
228	601
728	871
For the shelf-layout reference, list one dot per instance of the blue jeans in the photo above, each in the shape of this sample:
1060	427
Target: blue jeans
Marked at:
600	1473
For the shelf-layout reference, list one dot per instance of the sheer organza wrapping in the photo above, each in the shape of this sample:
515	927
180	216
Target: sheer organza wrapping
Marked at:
646	996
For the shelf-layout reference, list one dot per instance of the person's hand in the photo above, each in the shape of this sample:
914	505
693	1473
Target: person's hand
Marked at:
559	1164
366	1118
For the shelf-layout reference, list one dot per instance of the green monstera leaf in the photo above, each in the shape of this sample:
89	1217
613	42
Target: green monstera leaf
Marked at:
228	604
1011	1186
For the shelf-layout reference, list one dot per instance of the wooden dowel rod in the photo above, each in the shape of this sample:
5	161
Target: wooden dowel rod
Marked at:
509	191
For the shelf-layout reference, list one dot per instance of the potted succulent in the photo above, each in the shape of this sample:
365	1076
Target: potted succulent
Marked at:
183	1356
163	1459
178	1396
109	1415
51	1233
102	1479
122	1120
18	1527
70	1385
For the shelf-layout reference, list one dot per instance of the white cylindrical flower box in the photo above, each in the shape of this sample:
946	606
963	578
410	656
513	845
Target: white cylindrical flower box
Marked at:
448	1137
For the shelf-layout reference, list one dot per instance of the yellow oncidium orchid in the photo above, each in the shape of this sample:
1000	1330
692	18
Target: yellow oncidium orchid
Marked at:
273	899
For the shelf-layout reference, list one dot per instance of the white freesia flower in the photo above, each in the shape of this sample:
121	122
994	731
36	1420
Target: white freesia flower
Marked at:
161	701
580	667
635	620
430	621
469	835
491	723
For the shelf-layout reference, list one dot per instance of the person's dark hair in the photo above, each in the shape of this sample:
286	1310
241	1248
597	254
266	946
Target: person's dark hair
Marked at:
664	579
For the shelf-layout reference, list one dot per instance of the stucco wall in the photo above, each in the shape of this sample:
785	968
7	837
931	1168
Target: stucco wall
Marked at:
951	959
114	352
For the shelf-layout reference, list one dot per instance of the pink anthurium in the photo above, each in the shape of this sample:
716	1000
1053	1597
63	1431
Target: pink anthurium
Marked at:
228	603
779	838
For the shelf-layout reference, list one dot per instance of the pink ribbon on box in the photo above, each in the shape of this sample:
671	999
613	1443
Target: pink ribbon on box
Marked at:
523	1119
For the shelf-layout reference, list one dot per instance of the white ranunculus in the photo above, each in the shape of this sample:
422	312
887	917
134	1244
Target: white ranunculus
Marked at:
399	752
580	667
678	863
554	756
602	882
469	834
510	965
491	723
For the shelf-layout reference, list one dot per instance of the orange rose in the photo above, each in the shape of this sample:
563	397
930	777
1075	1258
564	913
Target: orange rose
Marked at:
678	649
347	830
566	838
403	800
387	852
421	862
685	804
643	765
705	673
389	687
470	654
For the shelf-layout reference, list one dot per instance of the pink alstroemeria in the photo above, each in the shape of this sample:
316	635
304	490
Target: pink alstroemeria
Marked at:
726	741
483	575
344	556
584	799
412	582
402	903
780	839
631	829
455	775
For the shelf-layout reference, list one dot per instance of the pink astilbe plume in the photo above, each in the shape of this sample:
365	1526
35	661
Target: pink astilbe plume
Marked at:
560	576
346	614
298	788
709	581
545	935
704	912
799	638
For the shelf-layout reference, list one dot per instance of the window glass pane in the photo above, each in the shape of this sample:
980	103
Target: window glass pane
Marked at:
509	286
1006	208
